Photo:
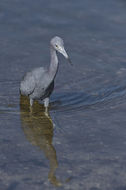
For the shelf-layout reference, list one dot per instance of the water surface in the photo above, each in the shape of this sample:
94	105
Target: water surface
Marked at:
82	144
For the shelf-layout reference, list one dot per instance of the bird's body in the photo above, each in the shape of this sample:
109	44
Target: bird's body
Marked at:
34	86
38	84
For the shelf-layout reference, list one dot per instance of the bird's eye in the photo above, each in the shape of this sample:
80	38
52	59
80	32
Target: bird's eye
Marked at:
56	46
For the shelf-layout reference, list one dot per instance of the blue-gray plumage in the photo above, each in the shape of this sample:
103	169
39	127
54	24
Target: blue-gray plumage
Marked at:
38	84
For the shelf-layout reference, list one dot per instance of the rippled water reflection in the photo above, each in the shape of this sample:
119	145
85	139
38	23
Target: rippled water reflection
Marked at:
38	130
82	145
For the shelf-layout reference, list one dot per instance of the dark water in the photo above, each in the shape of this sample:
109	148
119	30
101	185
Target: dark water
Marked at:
82	146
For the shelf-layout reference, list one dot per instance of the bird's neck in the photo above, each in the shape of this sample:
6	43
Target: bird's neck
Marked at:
53	64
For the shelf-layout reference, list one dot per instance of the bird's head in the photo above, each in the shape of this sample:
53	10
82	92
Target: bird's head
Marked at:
58	44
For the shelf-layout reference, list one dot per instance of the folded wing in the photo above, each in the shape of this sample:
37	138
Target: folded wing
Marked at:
27	85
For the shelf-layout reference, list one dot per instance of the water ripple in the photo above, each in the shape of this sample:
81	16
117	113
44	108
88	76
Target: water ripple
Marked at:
80	100
64	101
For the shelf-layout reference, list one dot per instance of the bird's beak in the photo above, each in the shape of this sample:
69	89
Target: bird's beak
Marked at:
63	51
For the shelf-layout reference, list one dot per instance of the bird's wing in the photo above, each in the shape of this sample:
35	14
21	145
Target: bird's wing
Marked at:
27	85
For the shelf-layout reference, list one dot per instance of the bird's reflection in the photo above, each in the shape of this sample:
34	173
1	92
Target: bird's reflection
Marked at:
38	129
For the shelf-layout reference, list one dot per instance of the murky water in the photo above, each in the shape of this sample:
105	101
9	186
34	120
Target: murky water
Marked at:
81	146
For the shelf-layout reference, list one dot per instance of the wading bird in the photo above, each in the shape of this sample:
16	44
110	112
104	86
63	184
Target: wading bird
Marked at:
38	84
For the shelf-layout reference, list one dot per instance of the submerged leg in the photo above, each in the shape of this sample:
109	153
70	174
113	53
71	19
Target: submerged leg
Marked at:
31	104
46	105
31	101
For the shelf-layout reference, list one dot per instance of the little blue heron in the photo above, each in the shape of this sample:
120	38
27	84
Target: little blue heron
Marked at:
38	84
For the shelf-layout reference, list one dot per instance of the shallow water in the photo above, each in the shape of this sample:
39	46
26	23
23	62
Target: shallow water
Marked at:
82	144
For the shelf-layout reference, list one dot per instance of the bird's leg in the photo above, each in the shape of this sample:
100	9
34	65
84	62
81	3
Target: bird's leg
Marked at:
31	104
46	104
